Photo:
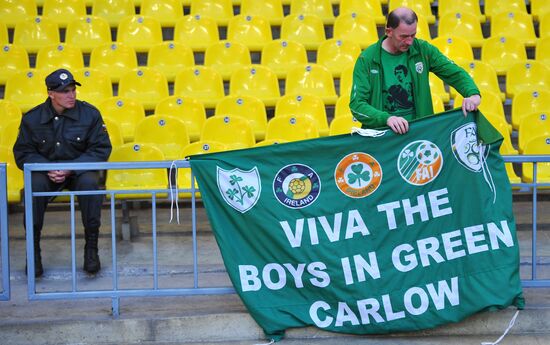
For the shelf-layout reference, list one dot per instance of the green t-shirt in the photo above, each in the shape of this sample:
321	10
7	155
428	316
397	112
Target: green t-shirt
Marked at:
397	91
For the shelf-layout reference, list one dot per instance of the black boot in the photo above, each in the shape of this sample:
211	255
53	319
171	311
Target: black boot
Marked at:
38	269
91	258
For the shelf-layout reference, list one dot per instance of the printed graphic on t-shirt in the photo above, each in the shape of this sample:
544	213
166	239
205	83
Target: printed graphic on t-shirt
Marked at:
399	95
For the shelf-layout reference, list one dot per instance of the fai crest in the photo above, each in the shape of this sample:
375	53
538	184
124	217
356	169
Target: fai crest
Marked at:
420	162
466	148
240	189
419	67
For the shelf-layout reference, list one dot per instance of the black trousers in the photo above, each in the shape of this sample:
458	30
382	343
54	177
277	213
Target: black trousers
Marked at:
90	205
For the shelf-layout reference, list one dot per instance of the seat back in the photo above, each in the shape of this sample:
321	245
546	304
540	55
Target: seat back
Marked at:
248	107
96	85
342	106
35	33
494	7
168	133
539	8
314	79
170	57
187	109
219	10
13	58
373	8
464	25
542	51
491	103
514	24
258	81
200	82
168	12
465	6
88	32
197	31
226	57
422	7
62	55
113	11
307	29
14	178
544	25
437	87
272	10
144	84
438	104
501	52
234	131
126	112
531	126
281	56
114	132
13	12
484	76
291	128
9	133
346	81
139	32
343	125
539	145
337	55
26	88
454	47
304	104
115	59
252	31
356	27
319	8
9	111
527	102
63	11
529	75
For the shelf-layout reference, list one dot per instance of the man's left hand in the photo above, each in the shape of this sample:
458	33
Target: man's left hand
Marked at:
59	176
470	104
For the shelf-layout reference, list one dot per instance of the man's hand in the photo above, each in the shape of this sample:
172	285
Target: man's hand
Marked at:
470	104
59	176
398	124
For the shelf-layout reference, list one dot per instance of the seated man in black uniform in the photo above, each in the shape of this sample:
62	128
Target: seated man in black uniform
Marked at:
64	129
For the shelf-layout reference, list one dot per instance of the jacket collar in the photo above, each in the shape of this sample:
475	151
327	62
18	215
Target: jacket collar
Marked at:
48	113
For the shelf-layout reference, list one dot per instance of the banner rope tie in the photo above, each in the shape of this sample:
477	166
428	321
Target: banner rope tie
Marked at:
506	331
173	200
365	132
271	342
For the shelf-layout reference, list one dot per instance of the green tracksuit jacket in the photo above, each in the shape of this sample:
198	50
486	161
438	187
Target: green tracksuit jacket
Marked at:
366	101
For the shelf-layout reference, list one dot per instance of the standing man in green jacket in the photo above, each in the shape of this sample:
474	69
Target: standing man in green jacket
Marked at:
391	77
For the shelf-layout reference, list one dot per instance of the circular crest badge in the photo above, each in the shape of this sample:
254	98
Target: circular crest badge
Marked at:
296	186
358	175
420	162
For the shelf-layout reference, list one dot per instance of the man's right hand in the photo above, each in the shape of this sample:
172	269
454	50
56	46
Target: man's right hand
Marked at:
398	124
58	176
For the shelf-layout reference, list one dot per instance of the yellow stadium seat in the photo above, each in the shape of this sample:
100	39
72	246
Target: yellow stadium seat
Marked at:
114	132
342	106
115	59
307	29
304	104
314	79
438	104
528	102
531	126
63	11
490	103
113	10
422	7
200	82
170	57
466	6
15	11
270	142
529	75
139	32
542	51
372	8
189	110
258	81
226	57
26	88
346	81
495	7
88	32
423	29
291	128
539	8
498	121
219	10
197	31
9	133
168	12
282	55
320	8
144	84
356	27
501	52
544	25
35	33
272	10
248	107
454	47
234	131
136	179
126	112
484	76
514	24
437	87
14	175
9	111
13	58
4	38
96	85
337	55
62	55
464	25
537	146
506	148
343	125
252	31
167	132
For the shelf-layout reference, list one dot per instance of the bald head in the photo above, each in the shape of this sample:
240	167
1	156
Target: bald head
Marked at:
399	15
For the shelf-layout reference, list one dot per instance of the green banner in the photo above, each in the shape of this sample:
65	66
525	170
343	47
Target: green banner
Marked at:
367	235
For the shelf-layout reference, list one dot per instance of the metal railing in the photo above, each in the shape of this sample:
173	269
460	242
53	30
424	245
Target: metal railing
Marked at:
4	240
